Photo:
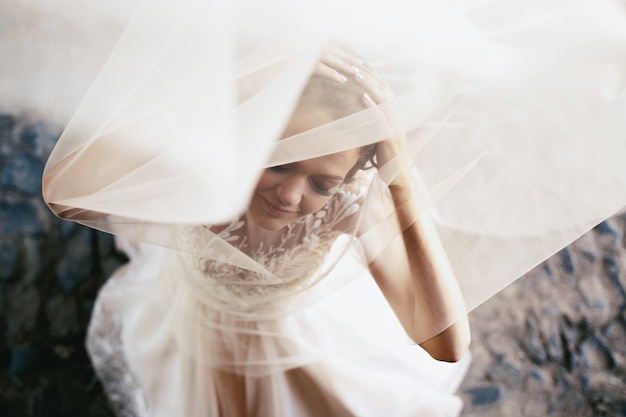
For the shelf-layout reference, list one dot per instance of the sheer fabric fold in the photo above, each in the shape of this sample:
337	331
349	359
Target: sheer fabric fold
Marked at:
513	121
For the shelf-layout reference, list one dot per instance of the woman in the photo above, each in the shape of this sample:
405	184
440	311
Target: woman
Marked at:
241	314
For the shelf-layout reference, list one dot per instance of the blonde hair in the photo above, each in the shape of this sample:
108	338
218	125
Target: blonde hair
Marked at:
340	100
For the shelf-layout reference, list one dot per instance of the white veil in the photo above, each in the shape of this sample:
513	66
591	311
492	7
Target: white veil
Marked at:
514	114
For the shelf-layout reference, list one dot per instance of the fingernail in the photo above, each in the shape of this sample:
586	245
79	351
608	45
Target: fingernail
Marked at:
368	99
357	73
341	78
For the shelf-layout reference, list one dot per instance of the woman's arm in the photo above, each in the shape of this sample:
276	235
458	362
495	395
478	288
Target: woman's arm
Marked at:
418	282
414	272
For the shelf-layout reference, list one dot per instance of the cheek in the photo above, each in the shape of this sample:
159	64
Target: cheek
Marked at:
313	203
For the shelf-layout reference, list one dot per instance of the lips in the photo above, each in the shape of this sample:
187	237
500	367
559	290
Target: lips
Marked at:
277	211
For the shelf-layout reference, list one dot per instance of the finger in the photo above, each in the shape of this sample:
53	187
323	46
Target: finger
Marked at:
336	63
377	90
369	76
325	71
369	102
373	89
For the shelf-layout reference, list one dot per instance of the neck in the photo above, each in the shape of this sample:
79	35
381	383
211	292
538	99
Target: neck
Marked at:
257	235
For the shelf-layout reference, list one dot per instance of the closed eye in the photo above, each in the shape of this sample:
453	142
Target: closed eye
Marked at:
324	185
320	189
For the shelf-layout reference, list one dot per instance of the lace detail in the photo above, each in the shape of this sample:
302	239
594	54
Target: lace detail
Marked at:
104	343
286	267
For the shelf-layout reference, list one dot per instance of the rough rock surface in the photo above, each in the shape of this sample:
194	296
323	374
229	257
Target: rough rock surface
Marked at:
552	344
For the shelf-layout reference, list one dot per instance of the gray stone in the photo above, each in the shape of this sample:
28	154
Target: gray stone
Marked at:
7	126
21	217
607	236
595	295
546	268
612	270
25	360
595	354
61	312
33	261
554	343
22	303
39	137
9	259
570	331
77	263
590	256
536	377
64	352
571	400
533	342
483	396
585	250
23	172
67	227
615	334
568	334
572	334
566	261
506	372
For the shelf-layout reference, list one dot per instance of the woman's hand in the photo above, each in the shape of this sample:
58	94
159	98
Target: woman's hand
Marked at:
378	92
337	64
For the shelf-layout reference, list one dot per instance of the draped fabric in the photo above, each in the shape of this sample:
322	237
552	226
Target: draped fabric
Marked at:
514	116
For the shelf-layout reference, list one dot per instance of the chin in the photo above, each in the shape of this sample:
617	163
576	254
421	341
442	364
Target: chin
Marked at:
265	220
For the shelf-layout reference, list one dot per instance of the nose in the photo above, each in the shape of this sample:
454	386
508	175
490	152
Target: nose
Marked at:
289	191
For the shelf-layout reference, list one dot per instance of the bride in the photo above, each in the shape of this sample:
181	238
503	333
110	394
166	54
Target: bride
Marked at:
240	354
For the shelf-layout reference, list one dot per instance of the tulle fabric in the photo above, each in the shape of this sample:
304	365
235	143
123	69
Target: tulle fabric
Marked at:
330	358
513	120
514	117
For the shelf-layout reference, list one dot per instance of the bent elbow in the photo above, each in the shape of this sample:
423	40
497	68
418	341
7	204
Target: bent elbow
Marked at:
451	345
450	355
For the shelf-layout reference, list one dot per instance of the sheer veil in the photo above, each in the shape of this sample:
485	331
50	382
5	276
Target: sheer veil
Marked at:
514	114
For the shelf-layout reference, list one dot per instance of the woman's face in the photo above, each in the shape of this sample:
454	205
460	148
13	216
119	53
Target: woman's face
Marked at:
287	193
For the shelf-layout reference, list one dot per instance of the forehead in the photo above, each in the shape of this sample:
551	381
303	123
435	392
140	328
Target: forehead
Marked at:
336	164
306	118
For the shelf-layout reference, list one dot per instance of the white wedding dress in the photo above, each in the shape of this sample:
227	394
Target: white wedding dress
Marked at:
343	355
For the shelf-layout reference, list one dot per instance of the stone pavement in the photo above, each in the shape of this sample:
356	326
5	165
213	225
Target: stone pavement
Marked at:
50	272
552	344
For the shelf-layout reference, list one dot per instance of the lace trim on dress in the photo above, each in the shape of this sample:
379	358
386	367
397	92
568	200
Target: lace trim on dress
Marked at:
286	267
105	346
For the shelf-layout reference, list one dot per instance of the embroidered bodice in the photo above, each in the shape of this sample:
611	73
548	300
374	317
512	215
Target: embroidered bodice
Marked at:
231	266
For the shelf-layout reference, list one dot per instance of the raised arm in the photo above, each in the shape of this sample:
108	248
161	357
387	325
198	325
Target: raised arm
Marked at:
418	282
413	272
